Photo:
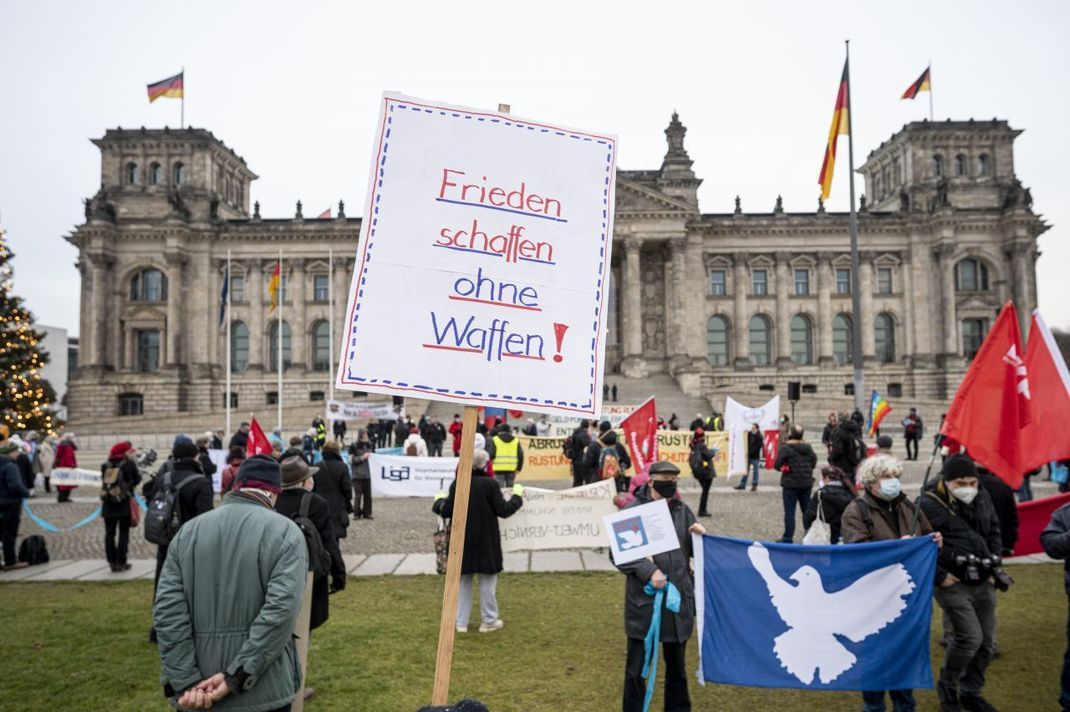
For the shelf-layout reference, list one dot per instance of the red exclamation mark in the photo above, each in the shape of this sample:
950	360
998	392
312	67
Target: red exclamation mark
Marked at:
559	335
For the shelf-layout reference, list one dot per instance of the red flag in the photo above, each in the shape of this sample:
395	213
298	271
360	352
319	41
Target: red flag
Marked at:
257	444
770	447
325	214
992	405
641	436
1033	516
1045	439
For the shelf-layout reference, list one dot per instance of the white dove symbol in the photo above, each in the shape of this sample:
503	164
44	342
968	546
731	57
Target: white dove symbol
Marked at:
816	617
629	539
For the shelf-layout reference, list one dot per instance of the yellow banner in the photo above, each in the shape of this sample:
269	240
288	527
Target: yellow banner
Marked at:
545	460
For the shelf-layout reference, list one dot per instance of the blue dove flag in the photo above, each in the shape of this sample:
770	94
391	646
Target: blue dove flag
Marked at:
852	617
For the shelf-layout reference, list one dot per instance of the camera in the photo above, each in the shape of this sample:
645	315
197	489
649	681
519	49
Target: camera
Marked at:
144	459
975	569
971	568
1000	578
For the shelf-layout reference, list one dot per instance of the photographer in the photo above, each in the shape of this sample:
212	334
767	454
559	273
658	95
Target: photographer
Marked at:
968	570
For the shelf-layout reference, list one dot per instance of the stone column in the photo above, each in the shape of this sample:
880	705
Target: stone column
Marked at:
341	304
740	336
921	298
297	315
632	292
676	286
1021	252
95	329
782	332
176	262
906	288
944	254
824	310
255	294
865	283
205	284
695	301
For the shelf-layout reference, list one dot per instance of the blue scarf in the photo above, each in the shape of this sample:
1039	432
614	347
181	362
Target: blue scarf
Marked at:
670	595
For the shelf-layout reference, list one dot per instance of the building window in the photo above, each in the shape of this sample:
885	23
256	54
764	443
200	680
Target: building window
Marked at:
983	165
960	165
155	173
717	283
759	337
760	279
895	390
971	276
148	285
884	336
272	397
717	341
810	388
133	177
802	282
233	400
315	396
884	280
148	350
938	166
131	404
843	281
273	344
320	291
973	333
802	340
321	346
237	288
239	347
842	340
179	174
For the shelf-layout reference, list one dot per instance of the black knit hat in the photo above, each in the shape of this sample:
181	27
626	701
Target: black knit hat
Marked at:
184	449
261	472
958	466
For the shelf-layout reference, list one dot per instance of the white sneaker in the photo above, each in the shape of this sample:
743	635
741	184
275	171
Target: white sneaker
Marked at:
491	627
462	630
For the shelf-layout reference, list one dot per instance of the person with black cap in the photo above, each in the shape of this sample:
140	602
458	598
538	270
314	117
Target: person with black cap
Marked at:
968	568
671	566
884	445
235	577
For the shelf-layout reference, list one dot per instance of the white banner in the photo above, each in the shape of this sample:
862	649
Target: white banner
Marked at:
737	421
403	476
638	532
219	459
75	477
338	410
559	519
499	230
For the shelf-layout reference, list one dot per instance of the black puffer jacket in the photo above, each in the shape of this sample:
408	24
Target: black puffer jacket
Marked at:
967	528
841	452
834	498
755	444
801	461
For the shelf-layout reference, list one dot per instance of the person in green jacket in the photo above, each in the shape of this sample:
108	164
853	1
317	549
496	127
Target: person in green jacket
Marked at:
229	595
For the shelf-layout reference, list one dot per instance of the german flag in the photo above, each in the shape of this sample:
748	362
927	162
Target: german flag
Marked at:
170	87
839	126
273	285
921	84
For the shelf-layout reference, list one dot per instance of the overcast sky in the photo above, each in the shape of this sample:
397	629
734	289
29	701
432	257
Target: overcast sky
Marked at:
294	88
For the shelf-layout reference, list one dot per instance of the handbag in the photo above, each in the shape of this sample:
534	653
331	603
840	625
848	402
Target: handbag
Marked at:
135	512
441	539
819	532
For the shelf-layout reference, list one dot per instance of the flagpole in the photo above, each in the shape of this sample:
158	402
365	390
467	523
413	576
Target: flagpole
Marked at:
278	364
856	295
330	319
182	112
229	346
930	70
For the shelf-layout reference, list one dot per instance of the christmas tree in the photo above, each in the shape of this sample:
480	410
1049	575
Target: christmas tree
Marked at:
25	397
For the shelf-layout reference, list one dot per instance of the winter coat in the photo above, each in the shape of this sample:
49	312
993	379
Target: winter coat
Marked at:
676	565
755	445
1056	540
455	431
420	443
887	520
1006	507
801	461
482	537
705	470
834	498
207	466
842	448
919	428
65	456
358	466
12	490
401	431
45	459
967	528
436	433
826	434
239	439
335	485
581	440
235	576
230	472
492	450
25	465
195	498
288	504
131	475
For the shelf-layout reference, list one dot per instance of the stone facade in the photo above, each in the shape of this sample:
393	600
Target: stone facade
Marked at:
738	301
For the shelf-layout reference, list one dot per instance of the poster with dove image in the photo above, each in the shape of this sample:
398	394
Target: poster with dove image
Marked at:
835	617
638	532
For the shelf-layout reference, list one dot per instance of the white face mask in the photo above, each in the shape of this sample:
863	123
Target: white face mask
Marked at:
964	494
890	489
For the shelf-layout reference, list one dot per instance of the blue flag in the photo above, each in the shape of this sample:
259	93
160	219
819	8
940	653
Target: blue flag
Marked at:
852	617
223	294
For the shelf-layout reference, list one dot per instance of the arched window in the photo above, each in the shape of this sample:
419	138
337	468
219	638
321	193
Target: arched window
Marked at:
180	174
321	346
148	285
239	347
960	165
802	340
884	336
155	174
842	339
983	165
273	345
133	177
938	165
717	341
971	276
760	342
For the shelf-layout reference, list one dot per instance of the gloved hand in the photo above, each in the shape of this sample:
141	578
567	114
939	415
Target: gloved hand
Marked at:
440	495
518	490
337	585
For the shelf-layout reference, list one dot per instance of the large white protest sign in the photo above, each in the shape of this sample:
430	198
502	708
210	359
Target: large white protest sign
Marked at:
638	532
403	476
559	519
219	459
340	410
737	421
74	477
497	231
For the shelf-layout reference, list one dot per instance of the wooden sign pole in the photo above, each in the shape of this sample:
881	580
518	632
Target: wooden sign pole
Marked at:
447	626
301	632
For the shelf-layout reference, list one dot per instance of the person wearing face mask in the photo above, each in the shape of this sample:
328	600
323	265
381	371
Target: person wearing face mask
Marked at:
967	569
671	566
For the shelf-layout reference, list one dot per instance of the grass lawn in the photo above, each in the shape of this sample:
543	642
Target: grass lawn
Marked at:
82	646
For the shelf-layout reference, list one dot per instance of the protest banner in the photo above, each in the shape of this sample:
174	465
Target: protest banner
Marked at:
75	477
544	458
737	421
559	519
403	476
341	410
219	459
638	532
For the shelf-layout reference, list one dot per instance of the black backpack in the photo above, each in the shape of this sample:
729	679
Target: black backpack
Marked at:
162	516
695	459
857	453
33	550
568	448
319	561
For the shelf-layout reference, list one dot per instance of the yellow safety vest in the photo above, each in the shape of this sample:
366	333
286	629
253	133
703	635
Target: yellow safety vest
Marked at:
506	454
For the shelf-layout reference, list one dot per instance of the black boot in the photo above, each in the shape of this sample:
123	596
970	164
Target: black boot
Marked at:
742	484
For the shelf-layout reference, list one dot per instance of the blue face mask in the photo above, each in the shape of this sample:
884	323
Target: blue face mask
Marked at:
890	489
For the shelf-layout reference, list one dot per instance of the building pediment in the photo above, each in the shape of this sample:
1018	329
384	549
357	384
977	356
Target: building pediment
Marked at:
635	198
143	314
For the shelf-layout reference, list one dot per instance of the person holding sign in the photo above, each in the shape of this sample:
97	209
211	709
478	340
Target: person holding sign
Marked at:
658	571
